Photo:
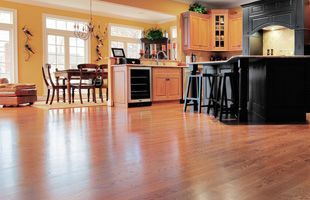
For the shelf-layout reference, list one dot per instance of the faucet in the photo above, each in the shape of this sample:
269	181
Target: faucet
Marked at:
157	59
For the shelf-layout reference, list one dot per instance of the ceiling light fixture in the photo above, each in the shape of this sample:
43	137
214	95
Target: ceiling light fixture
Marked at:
86	31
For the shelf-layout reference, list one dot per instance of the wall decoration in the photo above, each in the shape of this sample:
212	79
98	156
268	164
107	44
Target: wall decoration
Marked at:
28	49
99	38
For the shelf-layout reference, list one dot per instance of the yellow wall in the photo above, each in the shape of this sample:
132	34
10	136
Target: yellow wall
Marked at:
32	16
164	6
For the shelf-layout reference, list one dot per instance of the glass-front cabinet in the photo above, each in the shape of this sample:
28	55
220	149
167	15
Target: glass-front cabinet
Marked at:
219	29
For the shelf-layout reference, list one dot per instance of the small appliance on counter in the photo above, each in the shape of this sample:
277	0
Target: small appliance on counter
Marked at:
193	58
131	61
121	58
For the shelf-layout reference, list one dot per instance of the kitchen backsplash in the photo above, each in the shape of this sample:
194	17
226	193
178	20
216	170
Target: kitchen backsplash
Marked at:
279	42
205	56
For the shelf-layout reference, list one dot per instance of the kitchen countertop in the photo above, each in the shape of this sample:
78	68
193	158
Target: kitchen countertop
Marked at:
148	65
235	58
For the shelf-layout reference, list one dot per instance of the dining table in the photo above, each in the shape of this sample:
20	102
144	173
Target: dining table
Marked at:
73	74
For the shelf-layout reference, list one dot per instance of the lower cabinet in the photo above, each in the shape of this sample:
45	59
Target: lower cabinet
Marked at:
167	84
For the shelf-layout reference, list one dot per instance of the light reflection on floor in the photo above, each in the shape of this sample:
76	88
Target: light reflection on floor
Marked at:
103	153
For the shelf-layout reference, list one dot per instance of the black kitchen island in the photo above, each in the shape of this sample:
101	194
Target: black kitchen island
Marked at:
272	88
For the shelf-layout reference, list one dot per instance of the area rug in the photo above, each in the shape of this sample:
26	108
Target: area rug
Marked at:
61	105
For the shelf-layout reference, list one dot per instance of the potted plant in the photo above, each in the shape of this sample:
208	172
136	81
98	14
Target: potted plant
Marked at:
154	34
198	8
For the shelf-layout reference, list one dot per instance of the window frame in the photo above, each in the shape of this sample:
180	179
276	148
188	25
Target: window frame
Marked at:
124	40
174	40
66	34
13	28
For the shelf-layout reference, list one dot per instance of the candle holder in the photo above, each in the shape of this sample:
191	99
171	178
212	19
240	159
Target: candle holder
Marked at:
142	53
153	54
174	46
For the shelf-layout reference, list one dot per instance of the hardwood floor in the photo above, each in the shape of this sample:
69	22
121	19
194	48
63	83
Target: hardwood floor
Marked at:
148	153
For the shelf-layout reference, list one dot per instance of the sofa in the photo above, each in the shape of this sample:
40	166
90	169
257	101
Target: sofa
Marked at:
16	94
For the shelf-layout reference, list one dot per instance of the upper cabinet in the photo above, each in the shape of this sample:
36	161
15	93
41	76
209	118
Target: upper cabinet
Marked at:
235	30
220	30
196	31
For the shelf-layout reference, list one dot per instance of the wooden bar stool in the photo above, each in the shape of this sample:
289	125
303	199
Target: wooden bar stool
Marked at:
211	79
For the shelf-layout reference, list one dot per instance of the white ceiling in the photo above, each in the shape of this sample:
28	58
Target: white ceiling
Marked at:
104	9
219	3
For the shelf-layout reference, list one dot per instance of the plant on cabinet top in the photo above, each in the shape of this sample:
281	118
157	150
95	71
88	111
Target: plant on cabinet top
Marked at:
198	8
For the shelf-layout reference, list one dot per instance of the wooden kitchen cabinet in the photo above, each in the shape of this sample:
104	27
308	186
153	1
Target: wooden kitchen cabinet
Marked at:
159	86
167	84
220	27
235	31
219	30
196	31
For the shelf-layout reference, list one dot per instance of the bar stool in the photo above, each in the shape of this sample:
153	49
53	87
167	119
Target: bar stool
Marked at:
221	103
211	79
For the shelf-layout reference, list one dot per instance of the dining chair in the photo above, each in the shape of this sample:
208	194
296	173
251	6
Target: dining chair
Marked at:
84	82
50	85
105	75
101	82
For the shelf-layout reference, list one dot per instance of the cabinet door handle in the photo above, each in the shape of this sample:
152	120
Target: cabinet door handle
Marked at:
167	79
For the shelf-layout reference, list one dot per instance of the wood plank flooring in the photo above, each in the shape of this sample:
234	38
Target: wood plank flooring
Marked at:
148	153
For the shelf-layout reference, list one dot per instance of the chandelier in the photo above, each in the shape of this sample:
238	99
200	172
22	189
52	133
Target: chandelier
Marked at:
85	31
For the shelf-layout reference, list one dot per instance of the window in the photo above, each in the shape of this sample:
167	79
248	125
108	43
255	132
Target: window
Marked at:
56	51
127	38
77	51
6	17
174	42
63	49
8	53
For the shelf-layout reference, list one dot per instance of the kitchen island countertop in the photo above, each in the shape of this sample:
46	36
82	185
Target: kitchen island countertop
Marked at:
236	58
148	65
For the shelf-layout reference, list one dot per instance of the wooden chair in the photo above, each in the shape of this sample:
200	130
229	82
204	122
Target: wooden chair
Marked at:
46	71
100	82
86	86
